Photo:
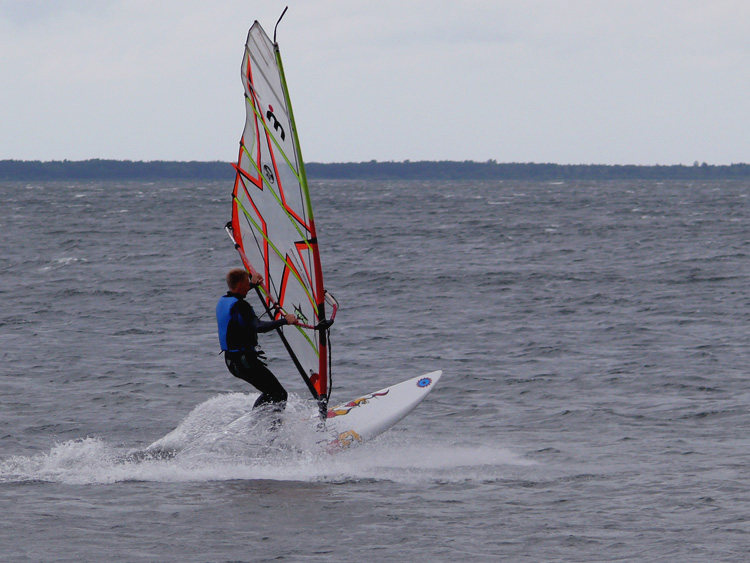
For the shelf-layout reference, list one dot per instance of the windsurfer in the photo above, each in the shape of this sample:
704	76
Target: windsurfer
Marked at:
238	334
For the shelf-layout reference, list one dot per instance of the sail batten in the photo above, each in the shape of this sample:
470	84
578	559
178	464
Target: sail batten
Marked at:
272	221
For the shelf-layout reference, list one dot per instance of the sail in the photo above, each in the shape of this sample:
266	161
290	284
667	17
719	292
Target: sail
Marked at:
272	219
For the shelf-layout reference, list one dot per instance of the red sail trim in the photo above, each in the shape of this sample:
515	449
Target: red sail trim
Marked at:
241	174
289	270
318	289
258	184
282	195
255	104
237	228
282	290
304	247
320	385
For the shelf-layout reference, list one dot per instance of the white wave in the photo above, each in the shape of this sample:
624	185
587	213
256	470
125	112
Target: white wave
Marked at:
221	439
62	262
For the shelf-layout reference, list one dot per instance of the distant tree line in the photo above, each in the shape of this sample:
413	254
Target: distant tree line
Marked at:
98	169
492	170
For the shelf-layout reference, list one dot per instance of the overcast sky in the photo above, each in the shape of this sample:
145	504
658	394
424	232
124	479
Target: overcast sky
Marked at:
565	81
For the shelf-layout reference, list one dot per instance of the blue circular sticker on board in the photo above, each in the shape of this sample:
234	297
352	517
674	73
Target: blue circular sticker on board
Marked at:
424	382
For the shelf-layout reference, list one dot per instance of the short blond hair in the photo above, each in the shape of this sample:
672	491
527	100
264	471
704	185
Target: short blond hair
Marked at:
235	276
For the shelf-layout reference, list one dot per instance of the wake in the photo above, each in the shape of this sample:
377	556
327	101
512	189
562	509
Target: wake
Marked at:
223	439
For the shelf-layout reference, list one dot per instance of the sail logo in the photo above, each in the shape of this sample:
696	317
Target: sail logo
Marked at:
346	439
299	314
276	125
268	173
345	409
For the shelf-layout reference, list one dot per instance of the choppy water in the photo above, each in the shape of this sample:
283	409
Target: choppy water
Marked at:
594	405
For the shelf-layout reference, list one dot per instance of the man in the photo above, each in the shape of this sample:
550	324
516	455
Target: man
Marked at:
238	334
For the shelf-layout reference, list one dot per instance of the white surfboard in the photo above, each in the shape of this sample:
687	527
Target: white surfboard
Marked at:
373	414
347	424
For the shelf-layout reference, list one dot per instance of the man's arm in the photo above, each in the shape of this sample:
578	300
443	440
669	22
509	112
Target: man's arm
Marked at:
266	326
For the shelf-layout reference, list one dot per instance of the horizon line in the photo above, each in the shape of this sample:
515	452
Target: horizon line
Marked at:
491	161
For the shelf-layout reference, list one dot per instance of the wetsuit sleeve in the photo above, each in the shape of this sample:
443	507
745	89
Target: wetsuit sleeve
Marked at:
266	326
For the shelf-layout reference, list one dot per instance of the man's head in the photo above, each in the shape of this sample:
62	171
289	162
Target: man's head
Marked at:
238	281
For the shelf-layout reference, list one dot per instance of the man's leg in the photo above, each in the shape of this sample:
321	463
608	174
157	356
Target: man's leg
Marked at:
259	376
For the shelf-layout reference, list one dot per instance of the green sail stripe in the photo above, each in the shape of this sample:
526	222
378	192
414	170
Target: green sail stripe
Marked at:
303	234
302	175
281	255
293	270
275	142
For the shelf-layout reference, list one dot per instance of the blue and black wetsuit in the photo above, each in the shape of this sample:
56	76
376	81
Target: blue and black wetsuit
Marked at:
238	335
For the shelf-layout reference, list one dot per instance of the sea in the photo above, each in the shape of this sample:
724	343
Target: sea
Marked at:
594	339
